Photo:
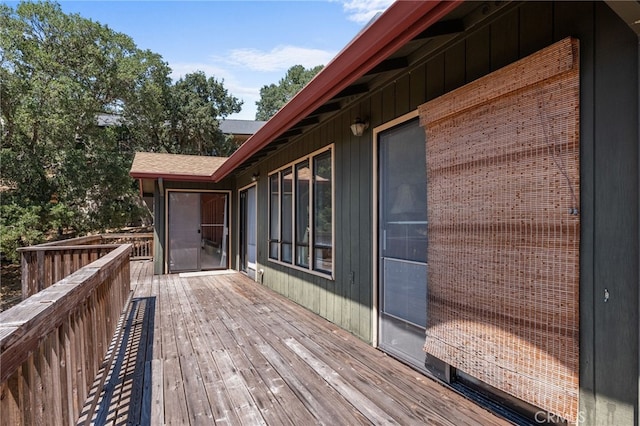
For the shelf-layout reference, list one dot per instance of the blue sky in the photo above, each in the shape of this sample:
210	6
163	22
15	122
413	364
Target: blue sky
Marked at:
247	44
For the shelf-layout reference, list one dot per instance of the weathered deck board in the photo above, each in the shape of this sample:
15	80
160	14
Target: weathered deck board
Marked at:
222	349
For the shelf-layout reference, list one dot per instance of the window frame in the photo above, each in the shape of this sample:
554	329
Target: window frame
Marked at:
273	239
280	172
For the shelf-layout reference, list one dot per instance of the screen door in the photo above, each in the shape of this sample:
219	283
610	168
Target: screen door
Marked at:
184	231
402	263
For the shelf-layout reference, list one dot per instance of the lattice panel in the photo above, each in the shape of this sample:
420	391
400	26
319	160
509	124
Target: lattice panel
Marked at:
504	228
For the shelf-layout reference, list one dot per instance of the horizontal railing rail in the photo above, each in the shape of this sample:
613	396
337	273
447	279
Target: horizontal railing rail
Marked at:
77	241
45	264
142	243
53	343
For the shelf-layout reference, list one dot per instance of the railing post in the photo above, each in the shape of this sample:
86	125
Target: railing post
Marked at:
25	273
41	276
30	272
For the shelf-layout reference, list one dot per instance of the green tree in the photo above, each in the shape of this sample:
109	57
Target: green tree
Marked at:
197	104
59	169
274	96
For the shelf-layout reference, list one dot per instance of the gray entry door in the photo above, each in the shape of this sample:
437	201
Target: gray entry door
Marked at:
402	245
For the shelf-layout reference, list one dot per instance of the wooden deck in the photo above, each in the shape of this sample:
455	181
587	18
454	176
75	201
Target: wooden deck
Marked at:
222	349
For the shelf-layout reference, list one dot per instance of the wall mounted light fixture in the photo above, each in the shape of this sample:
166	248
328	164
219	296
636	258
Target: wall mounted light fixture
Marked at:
359	126
255	177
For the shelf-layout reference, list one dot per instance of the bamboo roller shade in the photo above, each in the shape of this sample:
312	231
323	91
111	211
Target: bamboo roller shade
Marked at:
504	229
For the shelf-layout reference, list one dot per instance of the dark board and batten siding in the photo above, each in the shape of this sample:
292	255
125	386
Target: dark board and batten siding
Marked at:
345	300
615	220
609	213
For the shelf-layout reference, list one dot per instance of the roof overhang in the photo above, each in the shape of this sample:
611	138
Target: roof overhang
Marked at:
399	24
148	167
172	177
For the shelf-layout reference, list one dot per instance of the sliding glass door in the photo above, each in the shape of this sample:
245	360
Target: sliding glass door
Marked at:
198	231
248	231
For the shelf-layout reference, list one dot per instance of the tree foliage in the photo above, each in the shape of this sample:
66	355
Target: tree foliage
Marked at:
274	96
196	104
59	169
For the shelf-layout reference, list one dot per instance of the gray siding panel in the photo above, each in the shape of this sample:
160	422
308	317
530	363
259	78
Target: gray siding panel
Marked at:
478	51
365	246
403	95
417	89
504	40
435	77
616	219
352	204
388	104
454	67
536	26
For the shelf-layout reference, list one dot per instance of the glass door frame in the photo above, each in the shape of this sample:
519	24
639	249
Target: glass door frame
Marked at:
401	239
375	197
226	232
243	229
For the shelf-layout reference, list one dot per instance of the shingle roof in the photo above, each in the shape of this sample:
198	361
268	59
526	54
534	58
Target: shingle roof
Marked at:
152	165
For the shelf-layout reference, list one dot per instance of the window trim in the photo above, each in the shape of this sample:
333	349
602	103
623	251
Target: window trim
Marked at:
270	238
292	165
297	243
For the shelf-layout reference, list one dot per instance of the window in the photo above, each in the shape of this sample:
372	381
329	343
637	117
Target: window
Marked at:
322	213
301	213
286	209
303	177
274	216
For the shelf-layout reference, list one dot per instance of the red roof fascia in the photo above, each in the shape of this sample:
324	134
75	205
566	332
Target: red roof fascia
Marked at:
173	177
400	23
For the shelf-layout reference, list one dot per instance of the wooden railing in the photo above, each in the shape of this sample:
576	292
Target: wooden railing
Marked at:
53	343
45	264
142	243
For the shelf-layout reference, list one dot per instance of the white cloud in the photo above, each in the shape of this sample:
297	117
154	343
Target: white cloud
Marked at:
245	71
280	58
181	69
361	11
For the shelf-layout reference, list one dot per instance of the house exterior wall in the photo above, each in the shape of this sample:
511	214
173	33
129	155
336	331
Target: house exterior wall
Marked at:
610	333
609	216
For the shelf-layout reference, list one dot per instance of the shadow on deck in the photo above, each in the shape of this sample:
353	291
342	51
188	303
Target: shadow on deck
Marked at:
122	398
222	349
